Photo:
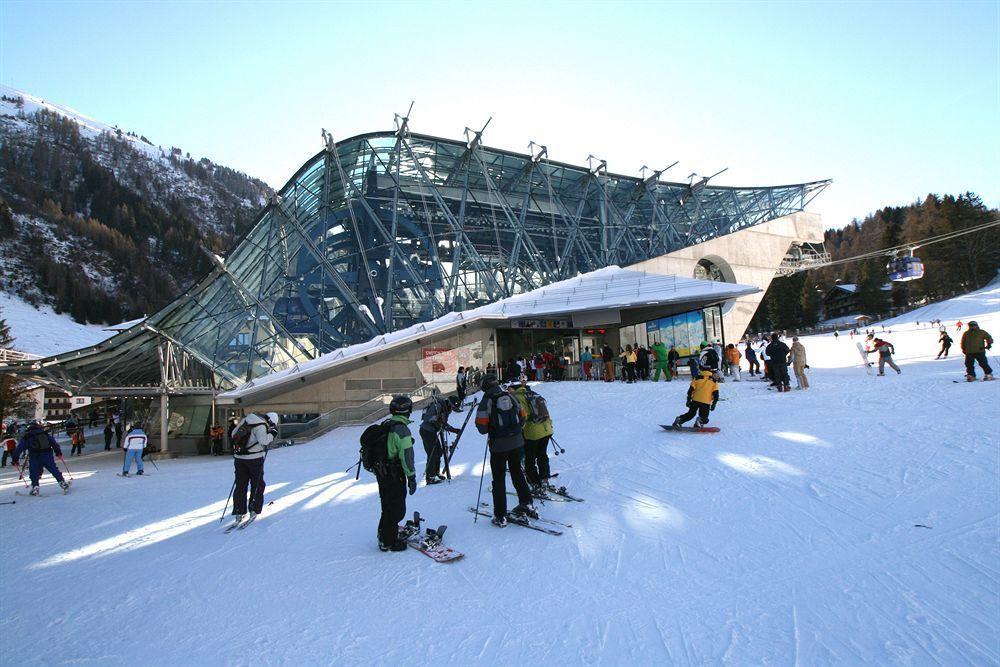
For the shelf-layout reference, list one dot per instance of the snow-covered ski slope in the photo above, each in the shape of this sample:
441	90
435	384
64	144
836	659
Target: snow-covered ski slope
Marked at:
42	331
853	523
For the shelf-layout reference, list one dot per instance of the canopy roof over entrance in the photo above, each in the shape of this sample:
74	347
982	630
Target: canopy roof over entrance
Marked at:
616	294
386	230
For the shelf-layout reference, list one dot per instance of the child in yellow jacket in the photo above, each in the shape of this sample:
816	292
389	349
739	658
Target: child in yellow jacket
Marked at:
702	396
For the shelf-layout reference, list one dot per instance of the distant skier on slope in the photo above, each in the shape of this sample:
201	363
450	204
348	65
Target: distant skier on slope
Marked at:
135	444
39	444
975	342
702	396
946	342
250	439
885	351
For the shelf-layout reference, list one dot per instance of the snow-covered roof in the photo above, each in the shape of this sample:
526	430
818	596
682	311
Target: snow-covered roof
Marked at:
848	287
607	288
125	325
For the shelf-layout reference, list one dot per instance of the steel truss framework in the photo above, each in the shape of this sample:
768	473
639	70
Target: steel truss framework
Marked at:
384	230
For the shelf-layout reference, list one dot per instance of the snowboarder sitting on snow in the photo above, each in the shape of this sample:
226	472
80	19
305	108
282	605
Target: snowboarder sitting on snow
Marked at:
250	439
975	342
397	475
702	396
135	445
435	418
40	445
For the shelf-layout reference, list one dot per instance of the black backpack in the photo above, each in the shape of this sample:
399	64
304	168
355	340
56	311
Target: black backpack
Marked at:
40	443
538	410
505	417
375	446
240	439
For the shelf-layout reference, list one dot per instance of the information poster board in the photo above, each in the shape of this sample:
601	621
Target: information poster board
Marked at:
438	365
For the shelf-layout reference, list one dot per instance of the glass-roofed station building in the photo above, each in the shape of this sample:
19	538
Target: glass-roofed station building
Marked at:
385	230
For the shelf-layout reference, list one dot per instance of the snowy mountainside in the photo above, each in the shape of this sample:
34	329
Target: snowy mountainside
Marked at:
100	223
853	523
42	332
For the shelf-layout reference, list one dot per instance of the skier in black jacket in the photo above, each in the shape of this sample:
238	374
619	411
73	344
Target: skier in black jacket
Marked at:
461	386
501	418
777	358
434	420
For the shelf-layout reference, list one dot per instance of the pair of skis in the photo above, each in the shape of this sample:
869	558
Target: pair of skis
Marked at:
449	450
240	523
534	524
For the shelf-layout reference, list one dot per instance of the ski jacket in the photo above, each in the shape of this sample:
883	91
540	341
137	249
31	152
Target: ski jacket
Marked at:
484	420
136	439
607	354
9	444
461	382
260	437
586	356
704	389
751	355
777	352
945	339
435	417
33	434
659	351
399	444
673	356
976	341
733	355
630	357
883	347
532	430
798	354
709	357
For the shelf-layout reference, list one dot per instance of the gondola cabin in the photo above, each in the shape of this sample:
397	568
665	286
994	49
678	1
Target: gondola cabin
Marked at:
902	269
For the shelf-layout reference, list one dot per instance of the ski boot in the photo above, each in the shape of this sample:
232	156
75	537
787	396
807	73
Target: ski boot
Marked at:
499	521
527	511
970	378
139	473
64	485
432	480
988	377
441	478
677	423
34	491
124	473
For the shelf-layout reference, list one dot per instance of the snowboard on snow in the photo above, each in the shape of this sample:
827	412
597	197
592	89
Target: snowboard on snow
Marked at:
691	429
429	542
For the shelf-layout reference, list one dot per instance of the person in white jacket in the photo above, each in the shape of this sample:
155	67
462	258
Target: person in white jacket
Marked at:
135	443
250	440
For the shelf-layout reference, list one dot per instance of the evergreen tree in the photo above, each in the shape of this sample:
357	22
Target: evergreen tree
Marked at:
15	395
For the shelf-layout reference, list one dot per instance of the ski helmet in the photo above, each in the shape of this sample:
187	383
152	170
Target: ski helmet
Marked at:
454	403
400	405
489	382
973	323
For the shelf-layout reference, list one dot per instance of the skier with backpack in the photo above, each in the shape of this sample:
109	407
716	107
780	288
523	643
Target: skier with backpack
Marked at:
250	439
501	418
433	421
40	445
135	445
537	431
387	451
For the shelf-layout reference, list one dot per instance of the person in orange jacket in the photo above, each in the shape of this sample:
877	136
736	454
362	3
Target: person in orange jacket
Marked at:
733	357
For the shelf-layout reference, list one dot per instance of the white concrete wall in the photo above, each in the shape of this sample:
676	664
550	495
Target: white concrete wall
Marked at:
749	257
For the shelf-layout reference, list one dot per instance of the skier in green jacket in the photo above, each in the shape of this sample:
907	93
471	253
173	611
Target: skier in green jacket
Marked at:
662	364
537	431
397	476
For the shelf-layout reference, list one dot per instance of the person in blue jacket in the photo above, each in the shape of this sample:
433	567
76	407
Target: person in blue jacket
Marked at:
39	444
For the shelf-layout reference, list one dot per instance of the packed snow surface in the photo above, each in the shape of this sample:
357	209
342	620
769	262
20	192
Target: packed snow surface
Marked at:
856	522
42	331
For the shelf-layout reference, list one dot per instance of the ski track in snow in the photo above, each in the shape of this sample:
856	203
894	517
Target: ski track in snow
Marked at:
790	537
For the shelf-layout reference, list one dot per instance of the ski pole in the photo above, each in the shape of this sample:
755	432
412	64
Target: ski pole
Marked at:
358	466
67	468
481	475
8	502
24	464
222	518
144	455
558	446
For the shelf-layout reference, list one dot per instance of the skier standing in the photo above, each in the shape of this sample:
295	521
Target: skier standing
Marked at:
752	360
501	419
608	356
39	444
108	432
78	440
733	356
461	385
135	444
777	361
9	444
975	342
586	361
435	418
799	364
702	396
537	432
673	361
662	365
250	439
215	434
398	475
946	342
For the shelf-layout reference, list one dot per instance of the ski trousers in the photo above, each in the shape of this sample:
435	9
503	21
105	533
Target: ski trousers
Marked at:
884	359
536	459
609	371
754	367
392	496
630	375
41	460
132	455
943	352
500	463
695	408
7	455
800	375
249	472
432	447
972	359
779	373
664	367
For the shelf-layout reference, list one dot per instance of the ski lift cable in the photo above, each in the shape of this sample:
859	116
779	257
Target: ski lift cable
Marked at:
894	250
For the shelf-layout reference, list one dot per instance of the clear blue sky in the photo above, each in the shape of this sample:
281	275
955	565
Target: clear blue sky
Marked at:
891	100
